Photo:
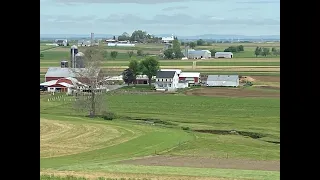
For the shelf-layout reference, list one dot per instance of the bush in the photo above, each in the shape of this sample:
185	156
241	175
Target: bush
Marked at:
108	115
185	128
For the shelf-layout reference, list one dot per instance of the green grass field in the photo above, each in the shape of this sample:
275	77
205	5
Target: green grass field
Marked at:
72	142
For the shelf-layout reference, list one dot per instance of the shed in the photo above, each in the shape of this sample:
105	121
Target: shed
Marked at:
223	80
190	77
223	55
198	54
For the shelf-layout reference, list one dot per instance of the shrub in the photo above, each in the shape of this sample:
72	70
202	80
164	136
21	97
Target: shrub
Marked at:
108	115
185	128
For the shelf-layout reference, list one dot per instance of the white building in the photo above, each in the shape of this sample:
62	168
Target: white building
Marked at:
61	42
197	54
166	80
167	39
223	80
223	55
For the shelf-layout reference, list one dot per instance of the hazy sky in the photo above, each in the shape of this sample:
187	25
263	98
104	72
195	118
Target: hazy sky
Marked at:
179	17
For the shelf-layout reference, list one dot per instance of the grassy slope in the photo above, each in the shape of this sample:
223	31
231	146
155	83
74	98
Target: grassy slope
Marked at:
246	114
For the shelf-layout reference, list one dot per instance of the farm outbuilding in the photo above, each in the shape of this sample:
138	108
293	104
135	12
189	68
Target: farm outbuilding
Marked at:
190	77
223	55
198	54
223	80
55	73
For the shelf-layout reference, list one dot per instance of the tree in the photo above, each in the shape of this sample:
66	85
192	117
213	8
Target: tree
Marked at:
240	48
139	52
127	76
192	45
124	37
177	49
130	53
182	43
138	35
257	52
169	54
275	51
92	76
213	52
135	68
41	55
105	54
114	38
231	49
114	54
265	52
149	66
200	42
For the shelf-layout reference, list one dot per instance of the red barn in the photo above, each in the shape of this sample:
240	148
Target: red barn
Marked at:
190	77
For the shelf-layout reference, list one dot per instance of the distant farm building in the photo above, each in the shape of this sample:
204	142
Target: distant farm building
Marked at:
55	73
190	77
197	54
62	85
223	81
166	80
61	42
121	44
167	39
142	79
223	55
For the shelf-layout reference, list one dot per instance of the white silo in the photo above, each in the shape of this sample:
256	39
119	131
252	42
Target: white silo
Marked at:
73	51
79	60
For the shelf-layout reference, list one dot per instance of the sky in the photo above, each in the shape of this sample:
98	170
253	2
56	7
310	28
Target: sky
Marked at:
178	17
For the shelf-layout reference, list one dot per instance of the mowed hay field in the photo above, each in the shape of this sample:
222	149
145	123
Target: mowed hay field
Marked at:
243	63
189	139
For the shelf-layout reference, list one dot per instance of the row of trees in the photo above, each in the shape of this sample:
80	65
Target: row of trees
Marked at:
148	66
234	49
114	54
174	51
264	51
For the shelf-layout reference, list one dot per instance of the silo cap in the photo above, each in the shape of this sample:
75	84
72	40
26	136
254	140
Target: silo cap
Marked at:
74	47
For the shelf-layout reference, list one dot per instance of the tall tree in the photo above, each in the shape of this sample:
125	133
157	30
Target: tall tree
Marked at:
138	35
257	52
149	66
265	52
127	76
192	45
200	42
92	76
176	46
168	53
135	68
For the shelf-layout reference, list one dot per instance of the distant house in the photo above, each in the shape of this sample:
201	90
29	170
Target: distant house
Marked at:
167	39
84	43
166	80
223	80
223	55
190	77
61	42
198	54
142	79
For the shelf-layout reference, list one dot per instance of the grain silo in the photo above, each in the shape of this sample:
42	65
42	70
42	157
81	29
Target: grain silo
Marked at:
73	51
64	64
79	60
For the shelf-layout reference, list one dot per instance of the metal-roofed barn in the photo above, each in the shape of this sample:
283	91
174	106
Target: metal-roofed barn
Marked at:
223	80
223	55
198	54
55	73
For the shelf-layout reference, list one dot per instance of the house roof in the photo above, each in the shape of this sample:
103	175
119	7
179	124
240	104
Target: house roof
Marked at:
176	70
165	74
65	72
198	51
222	77
224	53
189	74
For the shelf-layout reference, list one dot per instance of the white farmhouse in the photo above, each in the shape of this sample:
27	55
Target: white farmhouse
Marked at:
166	80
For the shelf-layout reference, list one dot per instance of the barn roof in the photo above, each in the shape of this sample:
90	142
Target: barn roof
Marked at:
165	74
222	77
65	72
189	74
49	83
224	53
176	70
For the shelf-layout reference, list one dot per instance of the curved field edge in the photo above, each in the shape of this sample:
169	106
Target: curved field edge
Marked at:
164	171
150	140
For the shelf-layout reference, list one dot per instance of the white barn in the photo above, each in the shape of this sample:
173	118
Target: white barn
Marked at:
223	80
223	55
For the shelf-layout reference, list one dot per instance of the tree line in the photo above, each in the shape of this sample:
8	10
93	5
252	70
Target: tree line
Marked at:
264	51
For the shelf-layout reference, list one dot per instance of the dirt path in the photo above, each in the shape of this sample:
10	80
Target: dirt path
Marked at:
232	92
199	162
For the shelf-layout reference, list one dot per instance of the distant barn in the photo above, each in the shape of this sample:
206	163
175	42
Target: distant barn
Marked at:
223	80
223	55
